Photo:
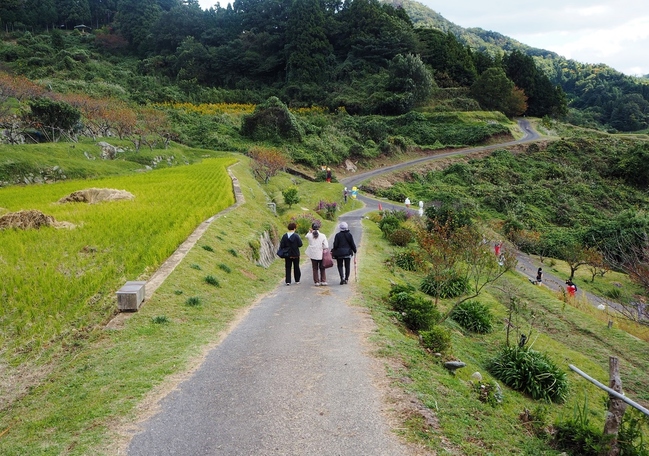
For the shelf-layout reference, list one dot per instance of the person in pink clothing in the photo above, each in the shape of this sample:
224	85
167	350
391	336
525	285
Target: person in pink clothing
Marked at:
498	248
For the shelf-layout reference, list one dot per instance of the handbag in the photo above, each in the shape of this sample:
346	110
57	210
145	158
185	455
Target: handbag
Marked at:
282	252
327	261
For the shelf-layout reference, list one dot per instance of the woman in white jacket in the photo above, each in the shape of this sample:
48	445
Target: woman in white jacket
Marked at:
317	243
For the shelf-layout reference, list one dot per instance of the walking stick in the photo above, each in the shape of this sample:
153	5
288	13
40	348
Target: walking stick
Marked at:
355	268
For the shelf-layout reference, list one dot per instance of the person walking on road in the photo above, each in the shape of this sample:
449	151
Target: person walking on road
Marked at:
539	276
317	243
343	250
292	242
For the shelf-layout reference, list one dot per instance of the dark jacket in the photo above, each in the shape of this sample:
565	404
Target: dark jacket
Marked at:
344	245
293	243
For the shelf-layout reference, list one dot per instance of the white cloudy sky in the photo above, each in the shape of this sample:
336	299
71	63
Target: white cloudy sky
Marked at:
613	32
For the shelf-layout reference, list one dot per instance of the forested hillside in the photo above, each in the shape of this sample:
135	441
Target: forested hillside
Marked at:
365	55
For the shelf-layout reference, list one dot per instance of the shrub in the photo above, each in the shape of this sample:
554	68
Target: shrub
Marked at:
437	339
208	248
160	319
233	252
530	372
409	260
211	280
489	393
630	436
449	285
193	301
225	267
195	266
613	293
304	222
473	316
401	237
291	196
417	312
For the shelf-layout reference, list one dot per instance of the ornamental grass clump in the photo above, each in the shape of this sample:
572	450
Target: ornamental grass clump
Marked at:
531	373
473	316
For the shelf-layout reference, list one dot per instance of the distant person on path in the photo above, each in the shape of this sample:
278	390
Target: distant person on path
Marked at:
571	288
344	249
317	243
498	247
539	276
421	208
407	203
345	194
329	175
293	242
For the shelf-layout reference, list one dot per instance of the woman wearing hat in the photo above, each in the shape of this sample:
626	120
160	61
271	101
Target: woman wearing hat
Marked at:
344	249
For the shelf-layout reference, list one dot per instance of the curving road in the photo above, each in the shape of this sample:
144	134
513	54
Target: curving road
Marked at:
531	135
527	264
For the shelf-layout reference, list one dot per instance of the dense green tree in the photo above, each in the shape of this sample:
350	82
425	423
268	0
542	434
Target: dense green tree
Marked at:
451	60
41	13
492	89
175	25
309	53
543	99
410	82
73	12
633	166
630	113
135	20
52	118
102	11
373	32
11	11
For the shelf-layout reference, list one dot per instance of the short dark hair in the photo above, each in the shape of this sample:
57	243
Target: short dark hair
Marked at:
292	226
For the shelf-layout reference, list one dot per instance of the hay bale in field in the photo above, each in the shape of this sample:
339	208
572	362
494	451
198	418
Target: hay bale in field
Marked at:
26	219
96	195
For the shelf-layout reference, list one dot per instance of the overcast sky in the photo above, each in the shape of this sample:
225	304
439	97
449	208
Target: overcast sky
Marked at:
613	32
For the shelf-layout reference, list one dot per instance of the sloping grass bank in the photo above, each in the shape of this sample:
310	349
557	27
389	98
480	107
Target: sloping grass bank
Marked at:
455	420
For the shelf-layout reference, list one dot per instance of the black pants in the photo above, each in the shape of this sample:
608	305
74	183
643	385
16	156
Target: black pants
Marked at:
347	262
295	264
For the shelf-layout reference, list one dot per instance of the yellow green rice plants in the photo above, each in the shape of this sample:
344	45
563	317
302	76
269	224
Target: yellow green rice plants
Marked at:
57	279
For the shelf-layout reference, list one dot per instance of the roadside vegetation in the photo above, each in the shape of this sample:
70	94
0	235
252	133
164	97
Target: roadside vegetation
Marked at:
478	414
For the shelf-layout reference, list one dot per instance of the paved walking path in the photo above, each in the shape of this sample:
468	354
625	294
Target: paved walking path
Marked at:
293	378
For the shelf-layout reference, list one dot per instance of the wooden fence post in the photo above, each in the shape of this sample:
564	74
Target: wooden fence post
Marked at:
616	407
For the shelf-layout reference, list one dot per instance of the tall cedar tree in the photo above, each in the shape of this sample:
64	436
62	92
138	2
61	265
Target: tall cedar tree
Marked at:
309	52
